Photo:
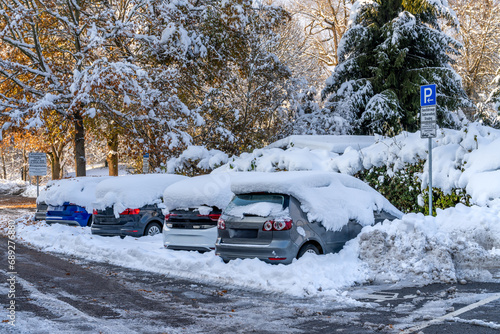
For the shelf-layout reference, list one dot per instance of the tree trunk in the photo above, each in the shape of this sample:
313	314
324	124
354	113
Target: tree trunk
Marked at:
79	145
112	157
55	162
4	169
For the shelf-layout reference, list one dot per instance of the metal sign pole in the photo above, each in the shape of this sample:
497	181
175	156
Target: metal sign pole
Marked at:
37	184
428	121
430	176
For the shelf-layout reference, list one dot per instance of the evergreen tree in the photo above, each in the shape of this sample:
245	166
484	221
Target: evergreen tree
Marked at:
494	97
391	48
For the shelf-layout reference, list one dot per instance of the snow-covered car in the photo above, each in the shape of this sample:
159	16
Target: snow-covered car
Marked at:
277	217
68	201
193	207
131	205
41	210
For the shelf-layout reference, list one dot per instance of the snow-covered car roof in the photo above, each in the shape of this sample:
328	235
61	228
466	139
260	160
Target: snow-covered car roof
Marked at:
331	143
205	190
78	190
330	198
132	191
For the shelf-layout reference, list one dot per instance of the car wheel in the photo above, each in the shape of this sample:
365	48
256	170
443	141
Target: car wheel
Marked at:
89	222
308	248
152	229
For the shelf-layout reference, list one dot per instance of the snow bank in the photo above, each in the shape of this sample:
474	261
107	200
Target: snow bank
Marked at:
205	190
329	198
132	191
460	243
79	190
8	187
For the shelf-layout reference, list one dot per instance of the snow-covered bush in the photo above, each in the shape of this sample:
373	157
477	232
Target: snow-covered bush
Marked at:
196	160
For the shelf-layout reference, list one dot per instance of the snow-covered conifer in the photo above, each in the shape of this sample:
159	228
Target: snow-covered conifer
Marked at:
391	48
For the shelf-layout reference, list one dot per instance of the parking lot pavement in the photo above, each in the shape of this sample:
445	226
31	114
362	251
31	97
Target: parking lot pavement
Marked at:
438	308
57	293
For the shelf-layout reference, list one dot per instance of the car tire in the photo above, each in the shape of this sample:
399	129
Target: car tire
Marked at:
152	229
308	248
89	222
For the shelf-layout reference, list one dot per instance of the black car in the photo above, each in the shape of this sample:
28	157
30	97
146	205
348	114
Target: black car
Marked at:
131	205
147	220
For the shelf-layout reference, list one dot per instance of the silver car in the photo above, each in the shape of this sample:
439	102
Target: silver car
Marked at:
274	228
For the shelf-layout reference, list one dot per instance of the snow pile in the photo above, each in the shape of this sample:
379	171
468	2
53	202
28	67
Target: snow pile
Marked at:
457	244
12	187
79	190
132	191
466	158
320	195
205	190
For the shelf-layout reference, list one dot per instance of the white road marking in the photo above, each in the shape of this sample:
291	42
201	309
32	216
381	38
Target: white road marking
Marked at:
452	314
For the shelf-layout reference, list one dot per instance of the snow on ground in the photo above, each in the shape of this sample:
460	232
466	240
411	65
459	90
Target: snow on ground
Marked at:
459	244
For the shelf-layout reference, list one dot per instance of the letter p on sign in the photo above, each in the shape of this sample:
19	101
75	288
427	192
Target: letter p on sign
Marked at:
428	95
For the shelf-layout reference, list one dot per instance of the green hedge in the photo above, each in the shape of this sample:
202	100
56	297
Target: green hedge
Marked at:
402	188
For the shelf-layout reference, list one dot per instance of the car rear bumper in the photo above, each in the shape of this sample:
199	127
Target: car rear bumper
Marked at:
40	215
51	221
117	230
190	239
278	251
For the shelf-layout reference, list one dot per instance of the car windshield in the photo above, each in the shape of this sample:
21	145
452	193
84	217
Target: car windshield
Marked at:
262	205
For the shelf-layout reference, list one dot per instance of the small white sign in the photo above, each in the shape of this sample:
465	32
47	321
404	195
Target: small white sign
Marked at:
145	163
428	120
38	164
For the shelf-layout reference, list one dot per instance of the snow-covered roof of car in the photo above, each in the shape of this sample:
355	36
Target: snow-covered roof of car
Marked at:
208	190
330	198
133	191
78	190
331	143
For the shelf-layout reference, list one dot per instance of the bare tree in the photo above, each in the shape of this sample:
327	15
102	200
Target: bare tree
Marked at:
325	21
480	35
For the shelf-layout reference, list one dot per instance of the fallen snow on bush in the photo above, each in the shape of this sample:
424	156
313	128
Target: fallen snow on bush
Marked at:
466	158
459	244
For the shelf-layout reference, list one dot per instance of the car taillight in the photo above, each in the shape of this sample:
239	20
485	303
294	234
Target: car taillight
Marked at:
167	217
214	216
131	212
281	225
221	224
268	226
94	212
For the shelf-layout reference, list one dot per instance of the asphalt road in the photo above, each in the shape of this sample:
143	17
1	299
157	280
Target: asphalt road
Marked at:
71	295
62	294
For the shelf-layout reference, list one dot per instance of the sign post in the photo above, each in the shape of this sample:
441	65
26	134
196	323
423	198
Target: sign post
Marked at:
145	163
38	167
428	120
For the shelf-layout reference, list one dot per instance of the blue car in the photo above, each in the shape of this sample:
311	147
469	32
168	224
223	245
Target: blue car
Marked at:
69	214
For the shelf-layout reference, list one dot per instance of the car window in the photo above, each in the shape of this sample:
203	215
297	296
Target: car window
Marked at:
258	205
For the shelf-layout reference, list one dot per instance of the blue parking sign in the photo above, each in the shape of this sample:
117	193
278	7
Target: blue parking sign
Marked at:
428	95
